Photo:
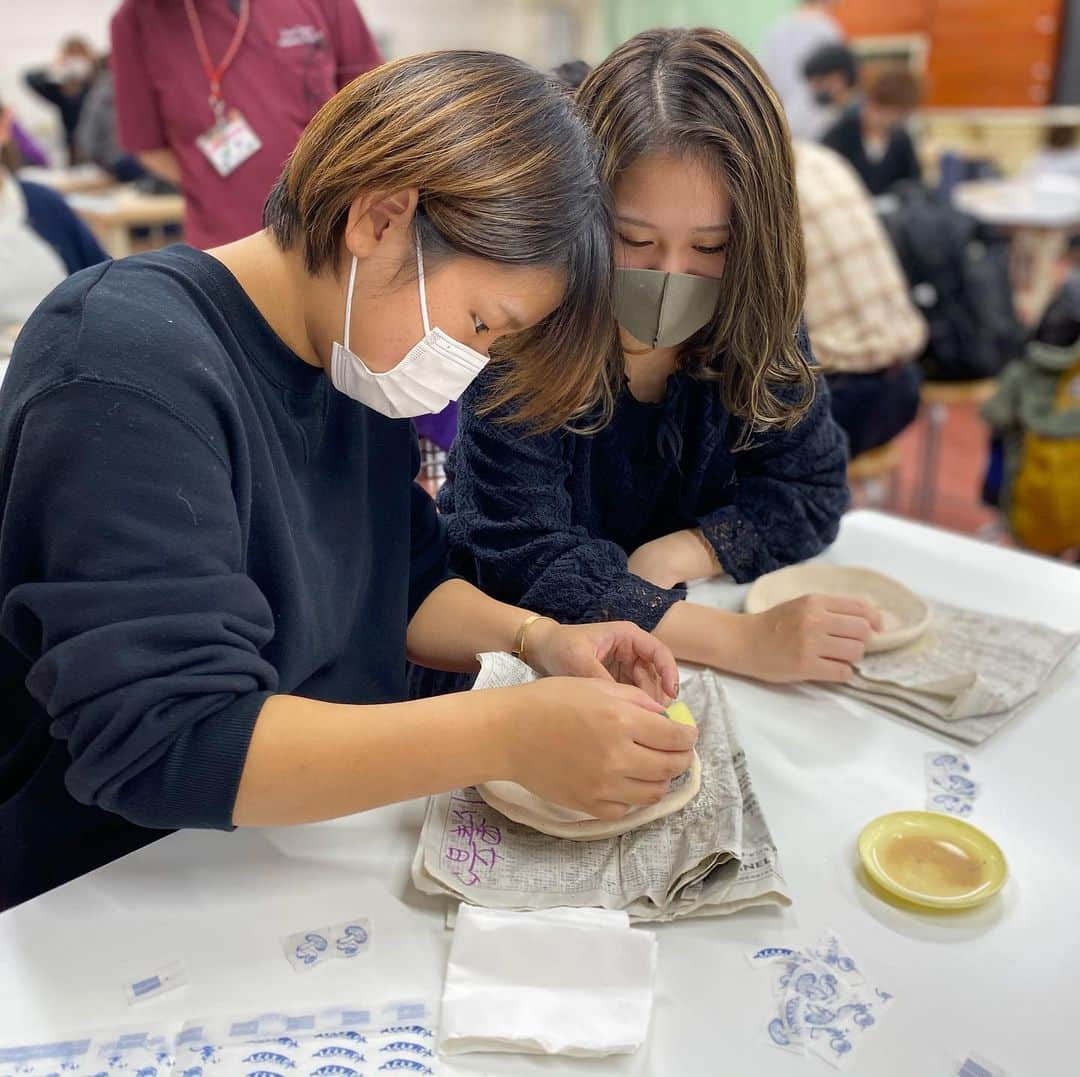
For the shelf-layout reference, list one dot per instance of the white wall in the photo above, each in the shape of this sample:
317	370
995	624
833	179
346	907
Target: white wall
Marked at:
544	32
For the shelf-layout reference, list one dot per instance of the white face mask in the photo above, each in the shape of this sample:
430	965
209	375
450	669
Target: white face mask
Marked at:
435	370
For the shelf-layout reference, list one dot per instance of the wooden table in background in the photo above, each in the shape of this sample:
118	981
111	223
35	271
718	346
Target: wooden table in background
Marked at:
81	179
113	214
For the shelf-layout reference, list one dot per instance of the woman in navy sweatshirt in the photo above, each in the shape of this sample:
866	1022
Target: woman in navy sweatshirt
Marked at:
721	455
214	562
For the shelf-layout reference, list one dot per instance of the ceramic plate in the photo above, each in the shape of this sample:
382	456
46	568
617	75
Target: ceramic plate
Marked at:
517	803
904	614
934	860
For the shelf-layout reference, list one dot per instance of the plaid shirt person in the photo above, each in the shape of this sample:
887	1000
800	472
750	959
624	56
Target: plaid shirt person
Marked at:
858	310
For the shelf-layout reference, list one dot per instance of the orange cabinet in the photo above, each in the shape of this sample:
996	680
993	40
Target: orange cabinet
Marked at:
982	53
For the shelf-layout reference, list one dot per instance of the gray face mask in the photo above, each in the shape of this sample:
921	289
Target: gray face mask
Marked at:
664	309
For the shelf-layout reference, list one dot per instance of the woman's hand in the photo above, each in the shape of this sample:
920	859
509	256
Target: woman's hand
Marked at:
674	559
593	745
611	651
813	638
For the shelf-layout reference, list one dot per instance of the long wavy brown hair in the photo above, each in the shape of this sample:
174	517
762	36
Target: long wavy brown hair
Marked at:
507	171
700	93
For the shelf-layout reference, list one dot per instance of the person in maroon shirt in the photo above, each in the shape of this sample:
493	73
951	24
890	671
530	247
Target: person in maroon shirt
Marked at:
247	75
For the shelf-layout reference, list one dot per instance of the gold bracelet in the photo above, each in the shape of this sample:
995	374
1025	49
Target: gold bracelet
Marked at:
519	640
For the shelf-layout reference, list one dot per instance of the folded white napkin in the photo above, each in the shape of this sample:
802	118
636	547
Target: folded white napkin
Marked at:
559	981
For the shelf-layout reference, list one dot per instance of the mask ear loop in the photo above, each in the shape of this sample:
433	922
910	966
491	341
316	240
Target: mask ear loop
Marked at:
348	302
423	289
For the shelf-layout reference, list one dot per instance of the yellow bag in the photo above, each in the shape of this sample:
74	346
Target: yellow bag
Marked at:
1044	505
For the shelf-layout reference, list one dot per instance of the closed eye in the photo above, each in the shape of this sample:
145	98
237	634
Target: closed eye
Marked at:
718	249
636	242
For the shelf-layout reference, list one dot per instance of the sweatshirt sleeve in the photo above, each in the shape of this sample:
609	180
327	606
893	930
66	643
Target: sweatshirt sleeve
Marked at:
791	490
122	572
512	514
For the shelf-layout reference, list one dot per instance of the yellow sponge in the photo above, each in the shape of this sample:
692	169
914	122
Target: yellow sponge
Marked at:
680	712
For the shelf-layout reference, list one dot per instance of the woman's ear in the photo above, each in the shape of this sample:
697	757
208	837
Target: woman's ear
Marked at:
380	220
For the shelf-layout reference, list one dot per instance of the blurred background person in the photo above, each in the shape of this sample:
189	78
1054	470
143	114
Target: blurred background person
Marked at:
1060	153
65	83
872	134
864	327
785	48
23	149
41	241
213	94
572	73
96	139
832	75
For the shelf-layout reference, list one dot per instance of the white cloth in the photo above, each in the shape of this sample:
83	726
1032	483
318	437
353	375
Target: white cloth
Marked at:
787	46
561	981
29	267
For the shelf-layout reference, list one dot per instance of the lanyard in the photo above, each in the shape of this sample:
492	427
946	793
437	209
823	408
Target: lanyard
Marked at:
216	72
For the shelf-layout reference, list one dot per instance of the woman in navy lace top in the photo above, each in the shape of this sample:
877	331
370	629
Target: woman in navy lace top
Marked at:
720	455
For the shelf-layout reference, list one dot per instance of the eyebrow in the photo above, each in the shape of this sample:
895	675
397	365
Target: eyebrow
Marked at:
723	226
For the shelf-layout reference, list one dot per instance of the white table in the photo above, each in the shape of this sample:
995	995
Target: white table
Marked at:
1040	212
999	981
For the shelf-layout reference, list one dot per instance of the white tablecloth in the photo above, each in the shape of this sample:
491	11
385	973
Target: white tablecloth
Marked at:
999	981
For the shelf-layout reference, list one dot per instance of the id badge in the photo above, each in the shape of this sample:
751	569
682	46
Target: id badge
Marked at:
229	143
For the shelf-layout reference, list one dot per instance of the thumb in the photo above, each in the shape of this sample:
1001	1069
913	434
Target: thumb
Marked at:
593	667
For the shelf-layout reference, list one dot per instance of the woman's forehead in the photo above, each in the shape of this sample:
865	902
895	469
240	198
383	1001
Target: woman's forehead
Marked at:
667	188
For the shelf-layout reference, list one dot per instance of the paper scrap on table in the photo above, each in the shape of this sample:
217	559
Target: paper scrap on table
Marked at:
824	1004
714	857
560	981
166	979
306	949
950	787
977	1066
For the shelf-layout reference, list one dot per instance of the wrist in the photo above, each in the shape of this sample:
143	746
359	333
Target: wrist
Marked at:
534	642
502	717
709	637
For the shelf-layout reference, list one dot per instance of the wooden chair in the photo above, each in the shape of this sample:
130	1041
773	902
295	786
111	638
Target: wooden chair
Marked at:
877	470
937	397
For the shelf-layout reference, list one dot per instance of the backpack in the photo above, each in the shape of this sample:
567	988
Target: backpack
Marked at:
958	272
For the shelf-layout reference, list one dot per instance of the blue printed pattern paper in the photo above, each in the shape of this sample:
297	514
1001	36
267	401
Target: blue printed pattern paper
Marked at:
950	787
139	1053
348	1042
824	1004
306	949
342	1042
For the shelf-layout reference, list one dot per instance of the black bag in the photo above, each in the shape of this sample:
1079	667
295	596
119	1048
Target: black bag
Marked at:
958	272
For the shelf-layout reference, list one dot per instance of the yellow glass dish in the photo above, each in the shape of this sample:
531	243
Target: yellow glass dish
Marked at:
931	859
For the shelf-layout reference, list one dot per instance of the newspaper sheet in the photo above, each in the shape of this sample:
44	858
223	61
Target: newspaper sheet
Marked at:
967	676
716	856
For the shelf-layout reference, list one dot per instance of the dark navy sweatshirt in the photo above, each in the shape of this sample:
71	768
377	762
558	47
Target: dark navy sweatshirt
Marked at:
191	519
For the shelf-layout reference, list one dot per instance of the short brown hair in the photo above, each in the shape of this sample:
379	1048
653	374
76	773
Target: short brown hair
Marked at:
894	87
700	93
506	171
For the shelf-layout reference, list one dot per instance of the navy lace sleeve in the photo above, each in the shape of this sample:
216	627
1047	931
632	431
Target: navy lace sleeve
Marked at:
509	509
791	490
